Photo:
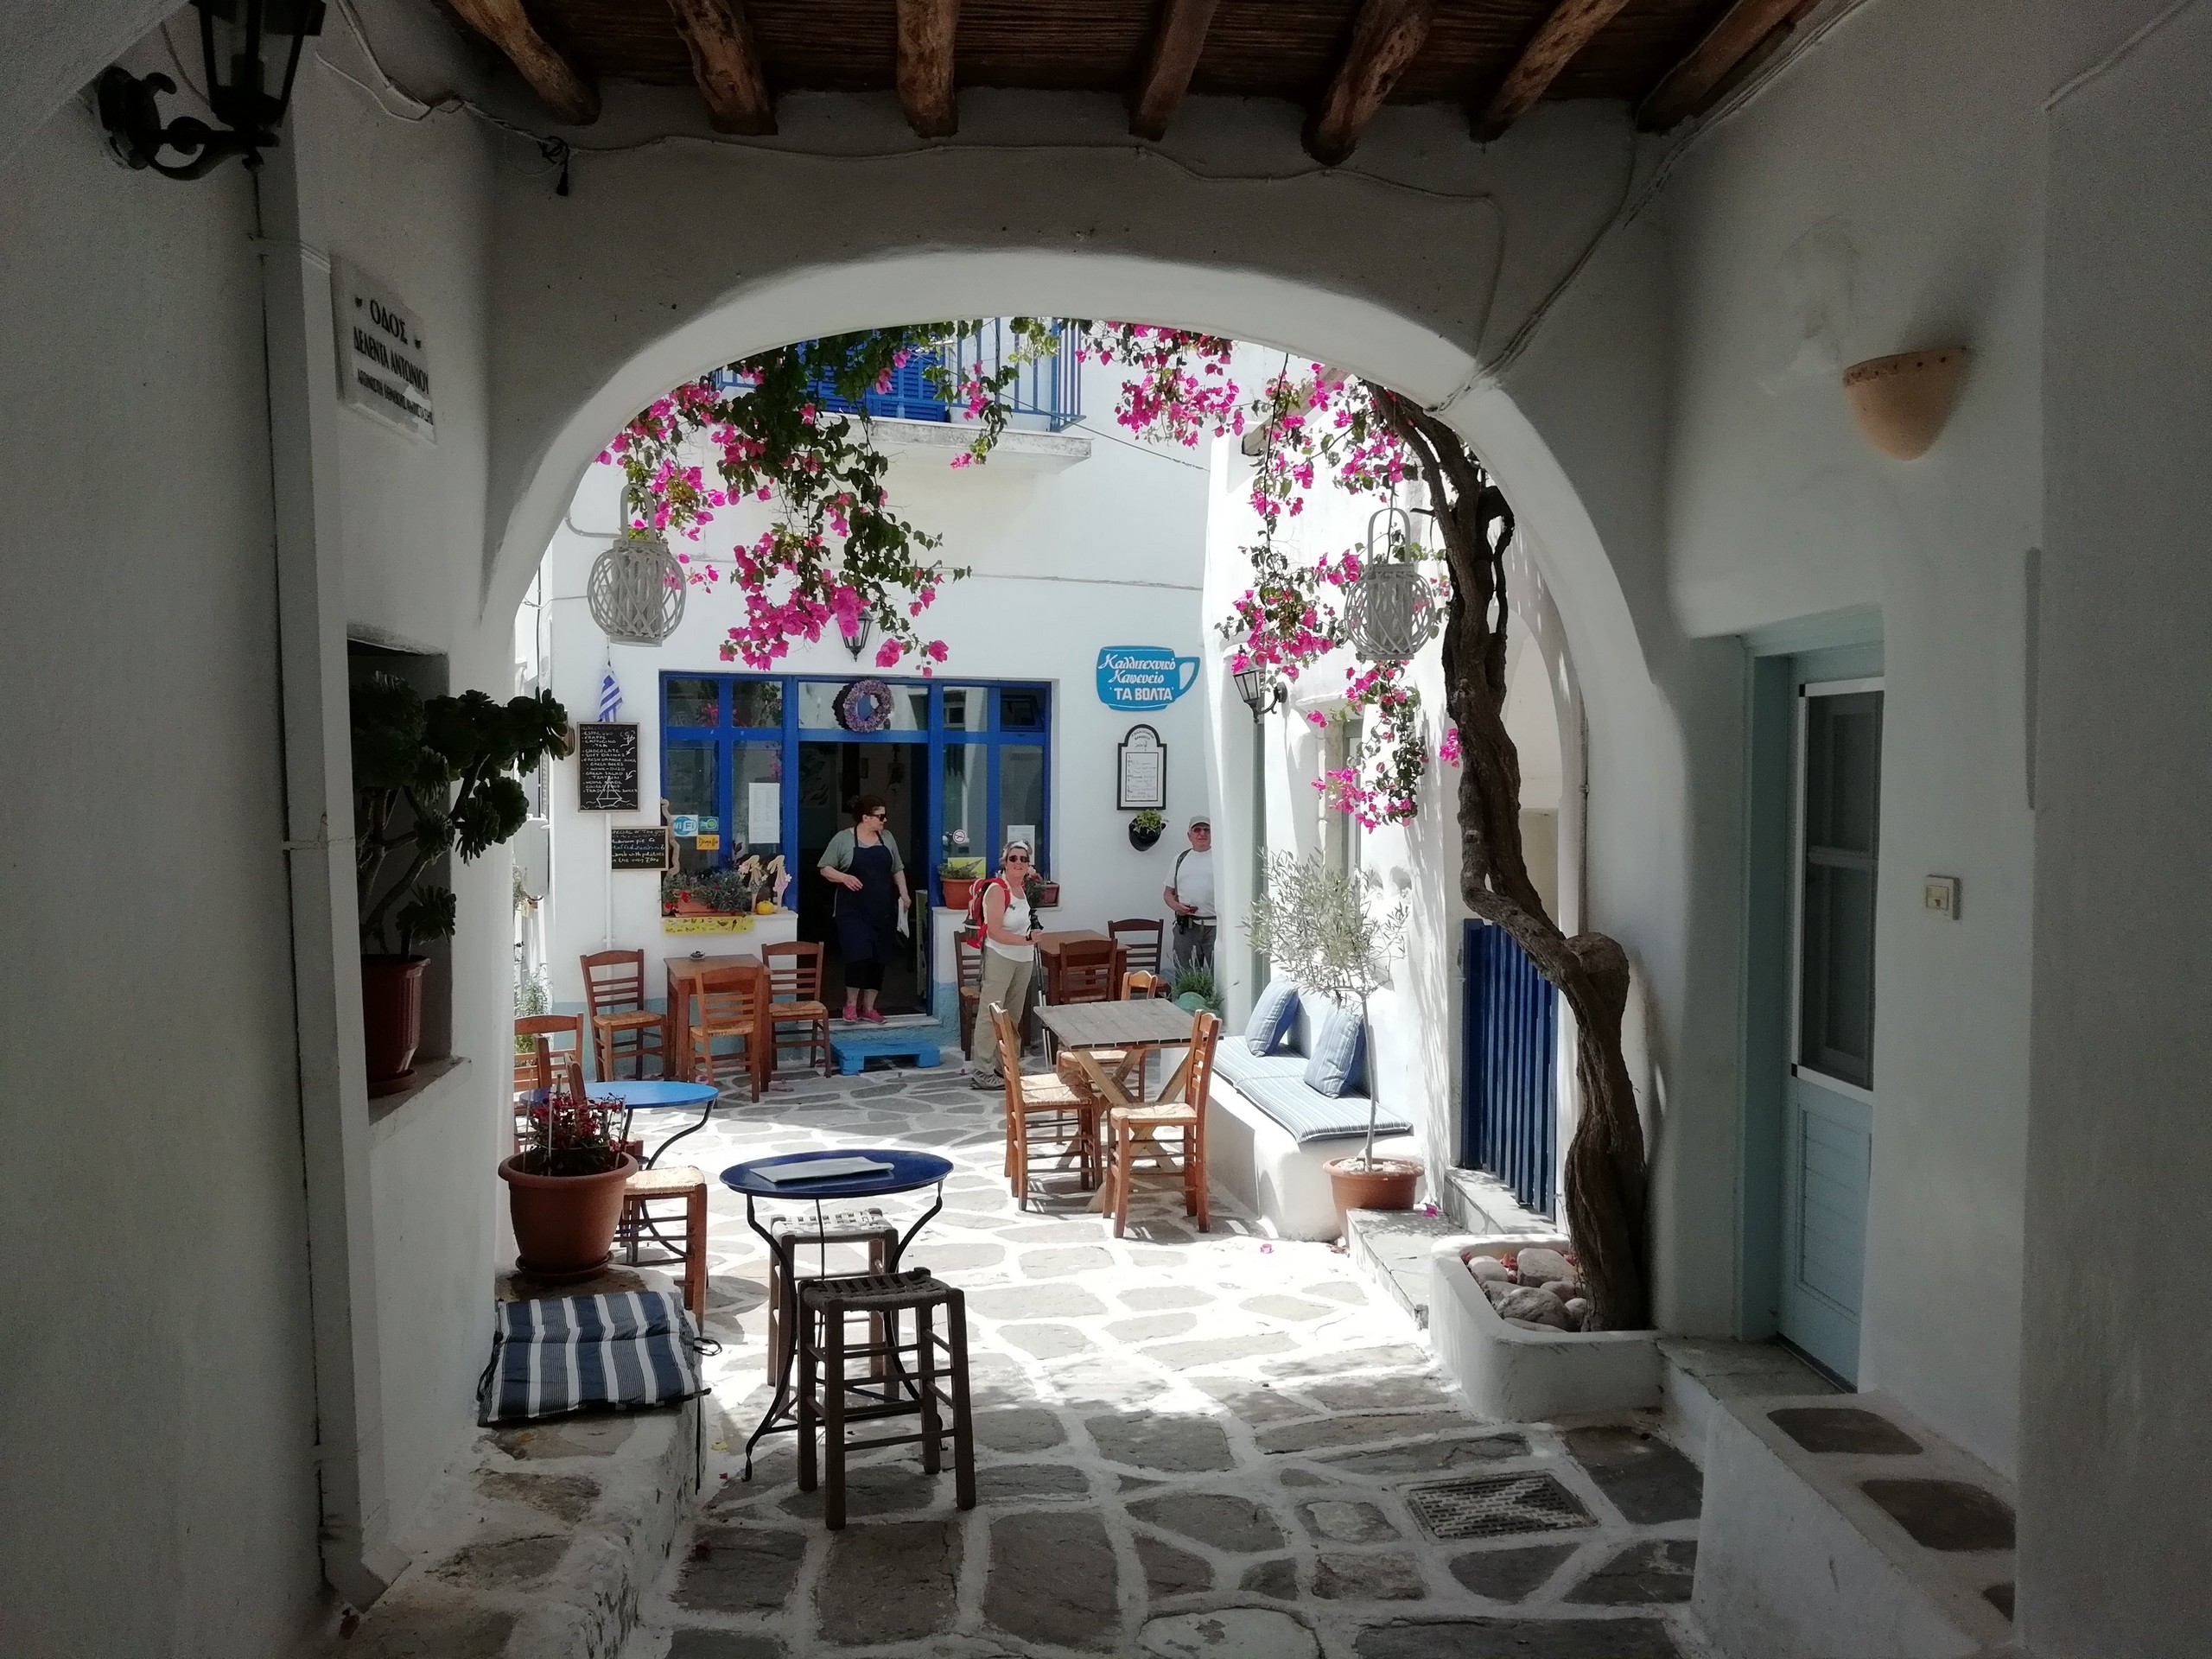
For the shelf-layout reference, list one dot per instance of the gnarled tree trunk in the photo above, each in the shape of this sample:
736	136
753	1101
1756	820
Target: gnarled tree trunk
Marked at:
1604	1161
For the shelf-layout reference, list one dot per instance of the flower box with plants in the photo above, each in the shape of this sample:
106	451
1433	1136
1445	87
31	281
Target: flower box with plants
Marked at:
565	1184
1331	935
431	776
1145	829
748	888
958	870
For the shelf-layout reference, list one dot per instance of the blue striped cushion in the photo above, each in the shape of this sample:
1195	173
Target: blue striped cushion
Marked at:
1335	1065
1273	1017
1308	1116
574	1353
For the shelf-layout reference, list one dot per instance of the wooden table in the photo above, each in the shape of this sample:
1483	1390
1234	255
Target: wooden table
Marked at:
1136	1027
1048	957
683	974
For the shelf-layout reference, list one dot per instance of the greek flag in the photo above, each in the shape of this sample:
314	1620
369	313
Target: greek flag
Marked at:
610	696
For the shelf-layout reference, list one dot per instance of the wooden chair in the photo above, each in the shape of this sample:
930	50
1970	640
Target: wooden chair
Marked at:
795	999
968	963
530	1026
1168	1138
729	1007
622	1026
1043	1115
1139	937
678	1183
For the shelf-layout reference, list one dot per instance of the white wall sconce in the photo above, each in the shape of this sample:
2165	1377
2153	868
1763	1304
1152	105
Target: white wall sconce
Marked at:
1901	403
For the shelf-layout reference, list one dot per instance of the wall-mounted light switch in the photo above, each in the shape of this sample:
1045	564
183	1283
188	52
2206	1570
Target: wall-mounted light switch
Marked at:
1939	895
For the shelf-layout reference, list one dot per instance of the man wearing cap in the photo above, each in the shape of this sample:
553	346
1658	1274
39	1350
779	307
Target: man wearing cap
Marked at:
1189	894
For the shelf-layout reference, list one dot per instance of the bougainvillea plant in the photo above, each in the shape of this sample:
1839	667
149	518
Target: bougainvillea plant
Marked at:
1321	426
835	554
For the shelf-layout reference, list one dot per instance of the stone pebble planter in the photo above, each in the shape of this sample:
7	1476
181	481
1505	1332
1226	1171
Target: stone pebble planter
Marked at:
1514	1374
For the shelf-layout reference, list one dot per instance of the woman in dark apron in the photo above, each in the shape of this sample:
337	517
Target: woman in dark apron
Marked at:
864	861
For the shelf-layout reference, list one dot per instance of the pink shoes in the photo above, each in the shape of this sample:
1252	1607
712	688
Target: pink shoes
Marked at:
874	1016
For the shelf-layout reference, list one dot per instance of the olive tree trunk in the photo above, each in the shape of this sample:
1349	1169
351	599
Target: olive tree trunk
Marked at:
1605	1160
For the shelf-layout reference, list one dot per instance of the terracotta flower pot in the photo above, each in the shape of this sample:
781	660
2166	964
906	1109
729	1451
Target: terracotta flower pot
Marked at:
391	1019
564	1224
956	890
1048	895
1386	1184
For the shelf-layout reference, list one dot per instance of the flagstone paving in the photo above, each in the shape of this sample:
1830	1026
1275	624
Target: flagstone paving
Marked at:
1189	1447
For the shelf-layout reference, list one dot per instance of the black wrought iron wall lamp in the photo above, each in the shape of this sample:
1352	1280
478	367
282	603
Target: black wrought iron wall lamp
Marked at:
237	39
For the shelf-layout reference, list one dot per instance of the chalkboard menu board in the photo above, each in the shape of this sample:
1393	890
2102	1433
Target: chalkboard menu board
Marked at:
644	849
608	766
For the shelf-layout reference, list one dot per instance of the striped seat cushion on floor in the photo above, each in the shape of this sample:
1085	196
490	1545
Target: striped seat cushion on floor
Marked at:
582	1353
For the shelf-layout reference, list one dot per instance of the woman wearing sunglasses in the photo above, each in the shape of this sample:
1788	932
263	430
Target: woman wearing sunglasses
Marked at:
864	861
1009	959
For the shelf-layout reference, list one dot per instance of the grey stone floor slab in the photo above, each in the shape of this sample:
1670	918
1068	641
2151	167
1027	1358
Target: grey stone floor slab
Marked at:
1189	1447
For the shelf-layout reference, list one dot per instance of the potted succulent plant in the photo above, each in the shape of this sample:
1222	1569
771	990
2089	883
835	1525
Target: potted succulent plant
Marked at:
1326	931
565	1186
1145	829
430	775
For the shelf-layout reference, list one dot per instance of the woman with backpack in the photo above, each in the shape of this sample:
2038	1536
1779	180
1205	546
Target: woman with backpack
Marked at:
864	861
1009	959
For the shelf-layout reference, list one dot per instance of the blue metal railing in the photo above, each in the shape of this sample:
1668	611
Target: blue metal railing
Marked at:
1048	391
1509	1097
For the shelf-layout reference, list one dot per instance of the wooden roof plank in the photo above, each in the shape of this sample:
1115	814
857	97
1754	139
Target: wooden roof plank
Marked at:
563	88
1385	37
726	62
1691	82
1176	44
927	29
1570	27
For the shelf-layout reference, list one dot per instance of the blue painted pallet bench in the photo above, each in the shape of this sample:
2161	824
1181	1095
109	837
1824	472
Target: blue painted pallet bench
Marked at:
853	1054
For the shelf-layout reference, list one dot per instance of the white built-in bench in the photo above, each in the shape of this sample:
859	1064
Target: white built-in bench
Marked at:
1269	1136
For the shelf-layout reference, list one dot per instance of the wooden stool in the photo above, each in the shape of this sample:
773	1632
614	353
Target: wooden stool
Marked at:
866	1227
826	1305
650	1186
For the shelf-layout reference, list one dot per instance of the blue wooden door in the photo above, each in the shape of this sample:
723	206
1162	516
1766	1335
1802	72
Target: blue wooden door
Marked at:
1828	1095
1507	1097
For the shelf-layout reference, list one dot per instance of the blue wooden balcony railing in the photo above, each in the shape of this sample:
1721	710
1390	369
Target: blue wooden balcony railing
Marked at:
1046	393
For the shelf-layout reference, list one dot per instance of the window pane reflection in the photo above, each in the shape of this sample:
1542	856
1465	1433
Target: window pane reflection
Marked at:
694	702
1021	796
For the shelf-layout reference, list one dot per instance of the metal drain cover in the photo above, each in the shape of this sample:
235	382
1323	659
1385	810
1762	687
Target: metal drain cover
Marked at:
1497	1506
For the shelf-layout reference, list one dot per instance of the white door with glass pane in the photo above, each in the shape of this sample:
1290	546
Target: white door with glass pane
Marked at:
1828	1112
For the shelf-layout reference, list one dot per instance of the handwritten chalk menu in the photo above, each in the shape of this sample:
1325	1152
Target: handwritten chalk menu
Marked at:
607	767
1140	777
644	849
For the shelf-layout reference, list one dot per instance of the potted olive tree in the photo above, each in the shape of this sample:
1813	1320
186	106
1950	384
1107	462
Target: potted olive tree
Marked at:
1332	937
430	775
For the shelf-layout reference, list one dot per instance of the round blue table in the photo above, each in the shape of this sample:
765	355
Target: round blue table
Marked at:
652	1095
908	1171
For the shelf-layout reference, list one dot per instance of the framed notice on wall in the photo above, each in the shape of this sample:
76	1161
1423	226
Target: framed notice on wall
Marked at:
607	767
1140	772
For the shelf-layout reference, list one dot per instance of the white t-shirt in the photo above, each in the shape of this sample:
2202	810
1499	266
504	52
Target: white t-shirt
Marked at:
1016	921
1194	881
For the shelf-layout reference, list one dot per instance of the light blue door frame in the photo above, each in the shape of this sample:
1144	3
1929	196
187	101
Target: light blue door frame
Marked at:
1808	1132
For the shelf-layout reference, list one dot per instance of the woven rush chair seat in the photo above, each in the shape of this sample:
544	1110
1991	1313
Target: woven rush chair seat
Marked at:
622	1027
795	999
678	1183
923	1376
729	1009
1167	1137
1044	1115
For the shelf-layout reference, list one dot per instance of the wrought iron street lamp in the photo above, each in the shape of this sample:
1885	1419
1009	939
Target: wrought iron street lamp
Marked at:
235	37
857	641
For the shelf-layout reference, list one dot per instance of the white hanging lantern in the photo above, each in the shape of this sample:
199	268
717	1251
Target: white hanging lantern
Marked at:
1390	611
636	589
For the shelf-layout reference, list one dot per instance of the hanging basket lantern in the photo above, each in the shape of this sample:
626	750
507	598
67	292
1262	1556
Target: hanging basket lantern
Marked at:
1390	611
636	589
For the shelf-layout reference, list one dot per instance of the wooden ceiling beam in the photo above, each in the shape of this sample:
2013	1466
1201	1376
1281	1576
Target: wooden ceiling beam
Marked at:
1690	83
926	32
1385	36
1176	44
1570	26
726	62
563	88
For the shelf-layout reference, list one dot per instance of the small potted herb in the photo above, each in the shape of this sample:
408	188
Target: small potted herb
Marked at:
1145	829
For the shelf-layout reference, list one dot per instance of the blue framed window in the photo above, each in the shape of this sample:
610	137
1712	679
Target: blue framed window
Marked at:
730	743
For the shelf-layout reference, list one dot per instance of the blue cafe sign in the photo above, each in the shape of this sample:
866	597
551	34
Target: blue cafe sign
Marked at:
1143	677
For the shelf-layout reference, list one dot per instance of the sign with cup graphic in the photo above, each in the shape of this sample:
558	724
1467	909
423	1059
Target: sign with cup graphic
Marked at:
1143	677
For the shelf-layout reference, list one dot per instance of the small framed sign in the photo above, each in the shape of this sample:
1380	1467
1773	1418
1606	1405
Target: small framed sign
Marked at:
638	849
607	767
1140	772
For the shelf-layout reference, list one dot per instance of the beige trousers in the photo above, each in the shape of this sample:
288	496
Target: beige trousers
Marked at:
1006	982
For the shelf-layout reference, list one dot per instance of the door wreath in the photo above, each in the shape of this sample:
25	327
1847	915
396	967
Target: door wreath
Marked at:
863	706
